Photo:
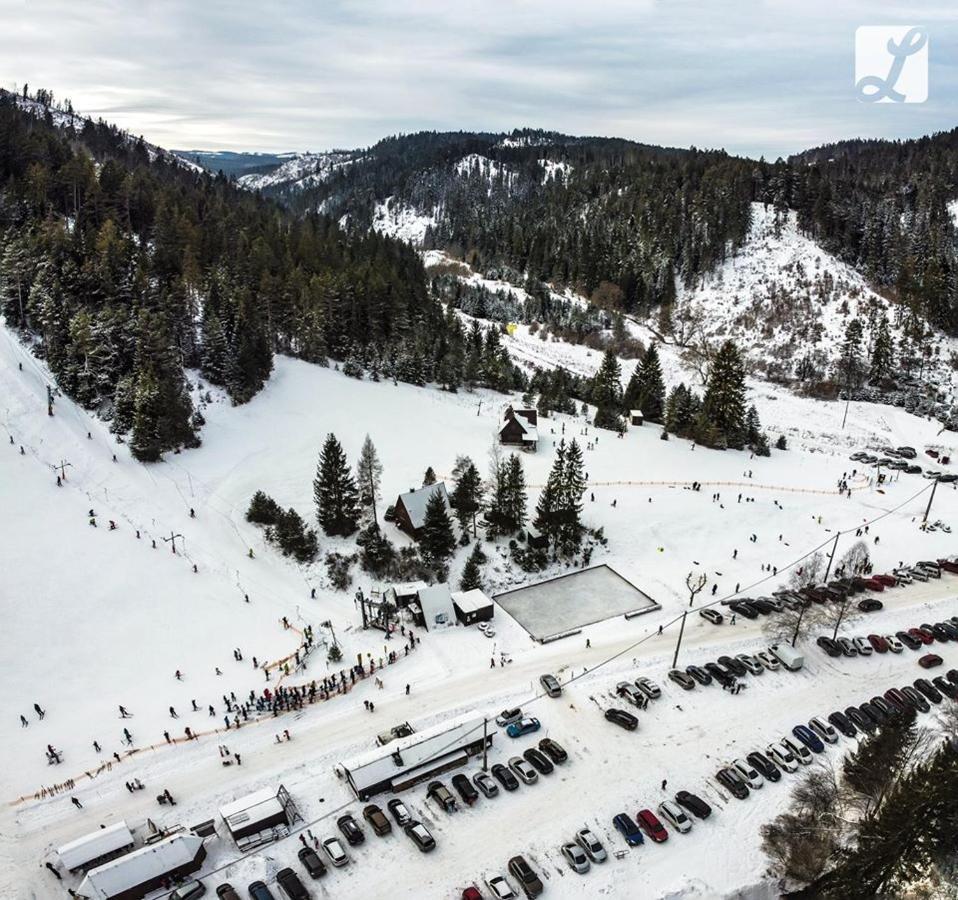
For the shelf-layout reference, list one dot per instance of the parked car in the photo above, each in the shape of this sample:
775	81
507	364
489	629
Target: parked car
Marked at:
648	687
675	817
591	844
694	804
259	891
733	665
508	716
742	608
940	632
523	770
862	645
824	731
808	737
311	862
504	776
526	725
631	694
918	574
550	684
442	795
843	724
190	890
486	784
539	761
930	661
553	750
622	718
420	836
882	710
712	615
289	881
887	580
526	876
903	576
911	642
465	788
764	766
768	661
335	851
471	893
500	888
861	719
945	686
750	663
897	700
576	858
952	676
399	812
625	825
878	643
377	820
829	646
699	674
870	604
847	646
226	891
732	782
653	828
797	749
916	699
782	757
894	645
928	690
351	830
682	679
749	774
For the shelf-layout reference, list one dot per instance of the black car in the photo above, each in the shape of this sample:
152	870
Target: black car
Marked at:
945	686
693	804
622	718
504	776
553	750
766	768
734	665
928	689
742	608
843	724
952	675
699	674
258	891
539	760
881	712
870	604
351	830
733	783
227	892
289	881
465	789
912	643
763	606
916	699
829	646
950	630
420	836
311	862
437	791
898	700
719	674
524	873
940	632
862	721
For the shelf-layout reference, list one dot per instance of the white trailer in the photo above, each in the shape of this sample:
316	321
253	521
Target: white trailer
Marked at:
788	656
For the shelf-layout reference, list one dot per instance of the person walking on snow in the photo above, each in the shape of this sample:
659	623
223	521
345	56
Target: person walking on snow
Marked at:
173	714
25	724
123	713
39	711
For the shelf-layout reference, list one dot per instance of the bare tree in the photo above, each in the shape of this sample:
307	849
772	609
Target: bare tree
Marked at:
695	583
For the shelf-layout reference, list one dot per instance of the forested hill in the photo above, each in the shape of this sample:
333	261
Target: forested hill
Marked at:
123	265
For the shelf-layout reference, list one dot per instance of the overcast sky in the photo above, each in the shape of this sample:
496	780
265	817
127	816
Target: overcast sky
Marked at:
754	77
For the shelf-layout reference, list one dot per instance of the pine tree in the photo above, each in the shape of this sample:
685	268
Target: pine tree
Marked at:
570	503
429	477
467	495
646	389
334	491
515	493
724	401
437	540
850	370
369	472
216	351
471	572
882	356
606	393
263	509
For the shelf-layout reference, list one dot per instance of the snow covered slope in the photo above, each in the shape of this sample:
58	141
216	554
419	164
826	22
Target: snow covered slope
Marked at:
300	171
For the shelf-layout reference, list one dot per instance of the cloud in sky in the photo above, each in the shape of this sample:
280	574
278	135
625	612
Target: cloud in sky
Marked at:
753	76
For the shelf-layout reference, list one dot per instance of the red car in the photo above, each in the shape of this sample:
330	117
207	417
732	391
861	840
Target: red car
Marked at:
471	893
919	634
653	828
878	643
887	580
873	584
930	661
948	566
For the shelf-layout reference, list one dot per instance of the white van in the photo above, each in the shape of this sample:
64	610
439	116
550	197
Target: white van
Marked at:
787	656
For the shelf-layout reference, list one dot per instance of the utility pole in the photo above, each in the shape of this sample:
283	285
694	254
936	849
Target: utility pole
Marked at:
831	558
841	615
63	466
934	487
678	643
485	741
172	540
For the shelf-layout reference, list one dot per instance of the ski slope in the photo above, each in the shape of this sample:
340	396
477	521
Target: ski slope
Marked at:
95	618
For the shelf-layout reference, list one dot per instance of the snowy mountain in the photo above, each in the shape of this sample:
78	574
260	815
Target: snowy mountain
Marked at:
299	172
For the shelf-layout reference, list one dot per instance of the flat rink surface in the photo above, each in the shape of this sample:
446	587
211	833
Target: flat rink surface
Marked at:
573	601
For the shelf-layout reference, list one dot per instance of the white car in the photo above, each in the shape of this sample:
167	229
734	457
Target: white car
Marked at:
648	687
823	730
903	575
576	858
508	716
523	770
591	844
712	615
500	888
918	574
675	817
748	772
862	645
631	693
894	644
798	750
782	757
769	661
750	663
335	852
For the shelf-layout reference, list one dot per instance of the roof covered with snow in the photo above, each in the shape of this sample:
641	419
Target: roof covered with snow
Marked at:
416	501
140	866
436	601
256	807
471	601
97	843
